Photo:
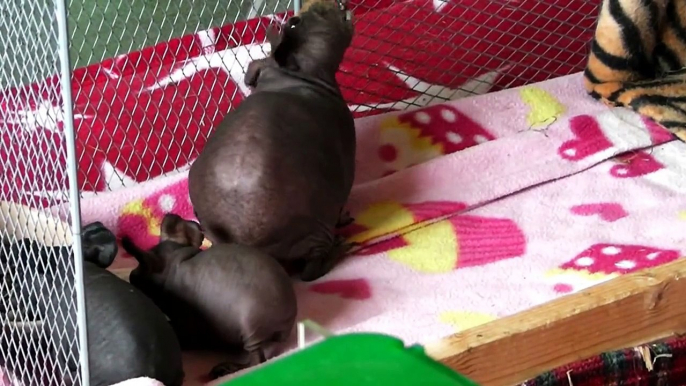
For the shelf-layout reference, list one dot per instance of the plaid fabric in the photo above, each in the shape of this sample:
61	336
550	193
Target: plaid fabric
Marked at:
624	367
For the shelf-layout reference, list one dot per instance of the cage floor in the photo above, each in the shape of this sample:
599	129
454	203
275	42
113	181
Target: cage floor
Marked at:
457	236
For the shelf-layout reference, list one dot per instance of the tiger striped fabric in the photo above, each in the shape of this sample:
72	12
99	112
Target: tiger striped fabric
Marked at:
637	59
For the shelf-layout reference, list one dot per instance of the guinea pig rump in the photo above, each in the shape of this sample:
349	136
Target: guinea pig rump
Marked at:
245	295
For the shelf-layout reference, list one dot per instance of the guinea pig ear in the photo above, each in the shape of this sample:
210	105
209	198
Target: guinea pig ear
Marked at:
146	260
172	228
194	233
175	228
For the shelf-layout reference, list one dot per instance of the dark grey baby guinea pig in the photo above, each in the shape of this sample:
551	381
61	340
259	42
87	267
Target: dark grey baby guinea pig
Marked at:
128	336
225	298
277	172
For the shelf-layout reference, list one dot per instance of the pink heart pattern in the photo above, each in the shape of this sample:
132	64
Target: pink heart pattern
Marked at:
658	134
357	289
608	211
589	140
635	164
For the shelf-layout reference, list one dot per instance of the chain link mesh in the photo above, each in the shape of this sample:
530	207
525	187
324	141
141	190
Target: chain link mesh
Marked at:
102	30
515	41
520	41
37	280
129	130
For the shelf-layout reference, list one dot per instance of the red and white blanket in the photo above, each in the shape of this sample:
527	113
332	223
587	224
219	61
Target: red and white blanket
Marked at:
147	113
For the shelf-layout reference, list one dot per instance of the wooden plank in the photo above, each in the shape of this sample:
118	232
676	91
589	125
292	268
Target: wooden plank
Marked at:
624	312
19	221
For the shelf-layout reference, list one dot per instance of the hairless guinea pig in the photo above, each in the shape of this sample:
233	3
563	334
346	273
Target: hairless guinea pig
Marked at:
128	336
227	297
278	170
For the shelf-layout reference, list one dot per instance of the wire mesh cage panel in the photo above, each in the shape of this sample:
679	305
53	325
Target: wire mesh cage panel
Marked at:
170	72
100	30
152	80
413	53
40	282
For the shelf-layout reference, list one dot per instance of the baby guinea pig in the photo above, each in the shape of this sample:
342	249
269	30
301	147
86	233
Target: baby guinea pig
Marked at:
226	297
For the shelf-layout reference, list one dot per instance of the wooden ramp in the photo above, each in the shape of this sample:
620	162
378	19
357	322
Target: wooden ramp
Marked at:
624	312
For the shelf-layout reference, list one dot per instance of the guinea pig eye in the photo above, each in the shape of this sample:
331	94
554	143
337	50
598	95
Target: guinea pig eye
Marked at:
292	22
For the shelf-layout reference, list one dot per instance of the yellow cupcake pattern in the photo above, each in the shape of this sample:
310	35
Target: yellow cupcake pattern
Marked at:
544	108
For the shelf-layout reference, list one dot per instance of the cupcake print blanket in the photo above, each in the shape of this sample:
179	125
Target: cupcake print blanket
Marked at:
474	209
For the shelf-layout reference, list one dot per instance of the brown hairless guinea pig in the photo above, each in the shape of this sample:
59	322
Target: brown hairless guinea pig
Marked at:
226	297
277	172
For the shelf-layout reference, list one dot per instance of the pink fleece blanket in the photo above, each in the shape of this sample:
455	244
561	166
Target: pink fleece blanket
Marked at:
474	209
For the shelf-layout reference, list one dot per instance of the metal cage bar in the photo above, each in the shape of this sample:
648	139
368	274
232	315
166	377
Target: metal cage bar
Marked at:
42	308
73	187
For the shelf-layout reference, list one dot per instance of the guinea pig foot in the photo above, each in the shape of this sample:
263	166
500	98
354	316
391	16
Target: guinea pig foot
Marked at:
293	267
344	220
318	267
99	244
226	368
346	246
